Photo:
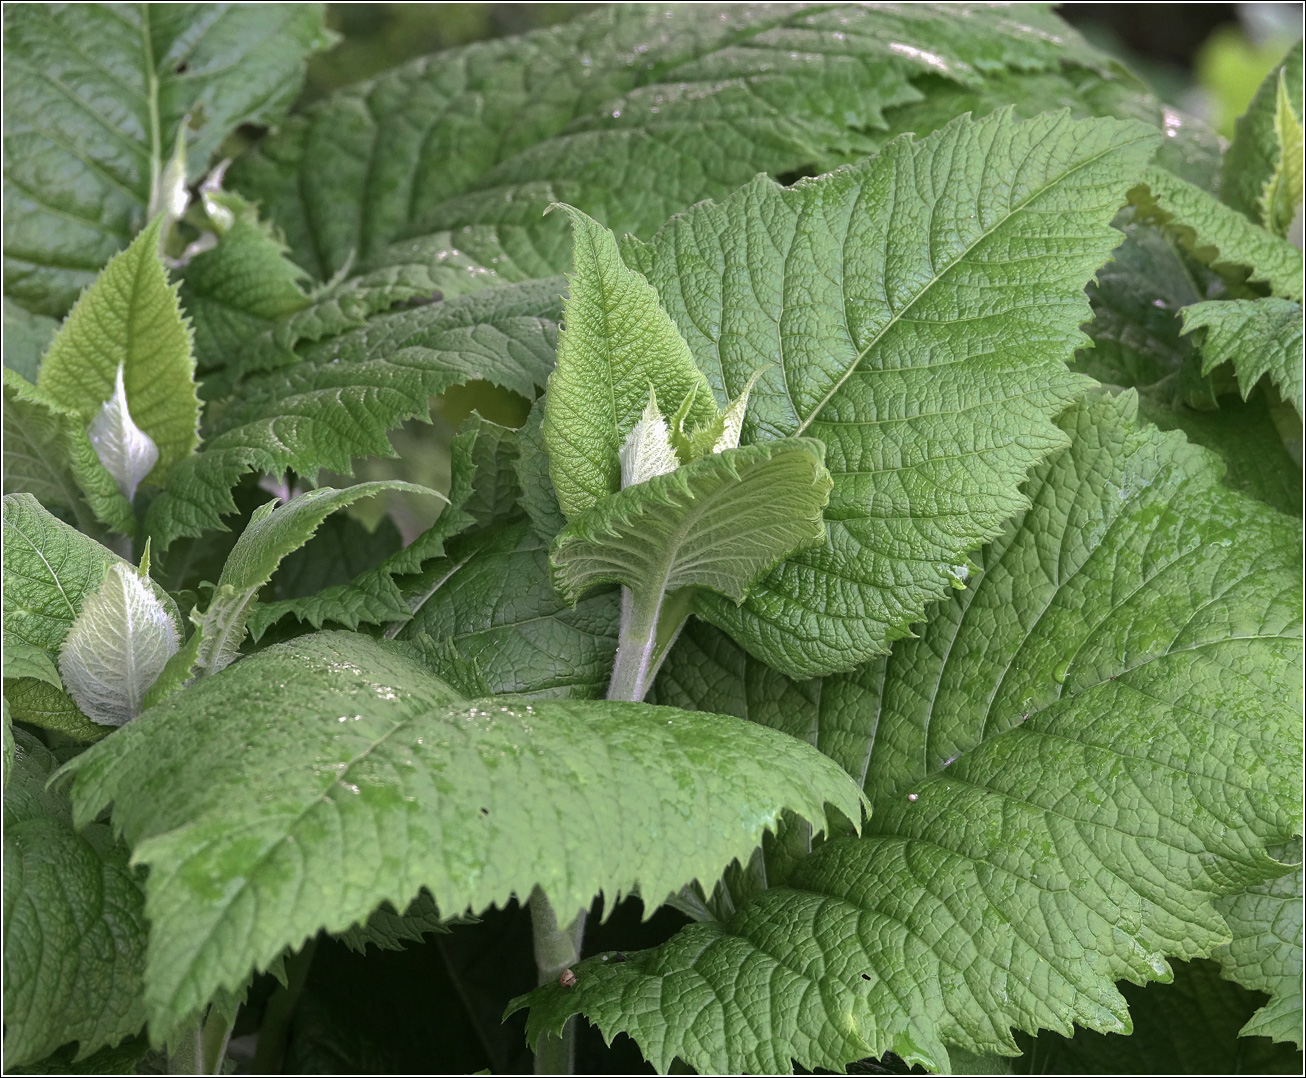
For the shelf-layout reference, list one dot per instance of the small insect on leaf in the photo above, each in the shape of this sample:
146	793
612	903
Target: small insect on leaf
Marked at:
567	979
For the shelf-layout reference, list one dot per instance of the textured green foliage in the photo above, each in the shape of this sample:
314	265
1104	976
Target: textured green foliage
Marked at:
129	317
618	342
49	571
917	310
74	922
348	391
389	592
348	776
1219	236
95	96
718	523
492	602
47	454
1188	1027
274	531
1266	950
1078	755
389	930
238	289
632	113
1256	155
26	337
1259	337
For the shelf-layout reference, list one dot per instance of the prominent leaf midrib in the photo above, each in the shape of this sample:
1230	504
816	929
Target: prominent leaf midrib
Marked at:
49	568
1006	218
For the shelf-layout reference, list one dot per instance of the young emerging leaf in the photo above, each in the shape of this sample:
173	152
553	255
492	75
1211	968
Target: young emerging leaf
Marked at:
47	454
349	776
117	647
917	310
50	571
1134	748
647	450
617	341
717	524
129	321
1256	159
1281	197
1259	337
127	452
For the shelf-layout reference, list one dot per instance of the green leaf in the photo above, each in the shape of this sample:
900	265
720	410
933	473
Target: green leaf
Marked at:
1258	336
238	289
22	659
274	531
95	98
617	342
384	593
491	600
917	310
1188	1027
388	930
50	570
1080	753
74	923
129	318
532	467
1217	235
117	647
338	402
1265	953
48	454
719	524
632	113
26	338
349	776
1256	155
1282	197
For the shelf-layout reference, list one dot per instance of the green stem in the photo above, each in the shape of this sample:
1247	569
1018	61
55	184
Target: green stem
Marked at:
214	1036
556	949
274	1034
649	626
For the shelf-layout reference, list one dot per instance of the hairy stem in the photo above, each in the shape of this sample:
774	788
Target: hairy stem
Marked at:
214	1037
556	950
649	626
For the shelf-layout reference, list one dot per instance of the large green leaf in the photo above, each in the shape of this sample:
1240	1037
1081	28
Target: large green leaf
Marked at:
1266	950
50	569
917	311
129	318
717	523
74	922
1086	748
1188	1027
616	344
490	599
1220	236
95	97
349	776
1257	154
1259	337
632	113
339	401
26	337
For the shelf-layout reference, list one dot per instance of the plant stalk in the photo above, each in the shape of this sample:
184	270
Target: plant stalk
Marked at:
556	949
274	1034
649	626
